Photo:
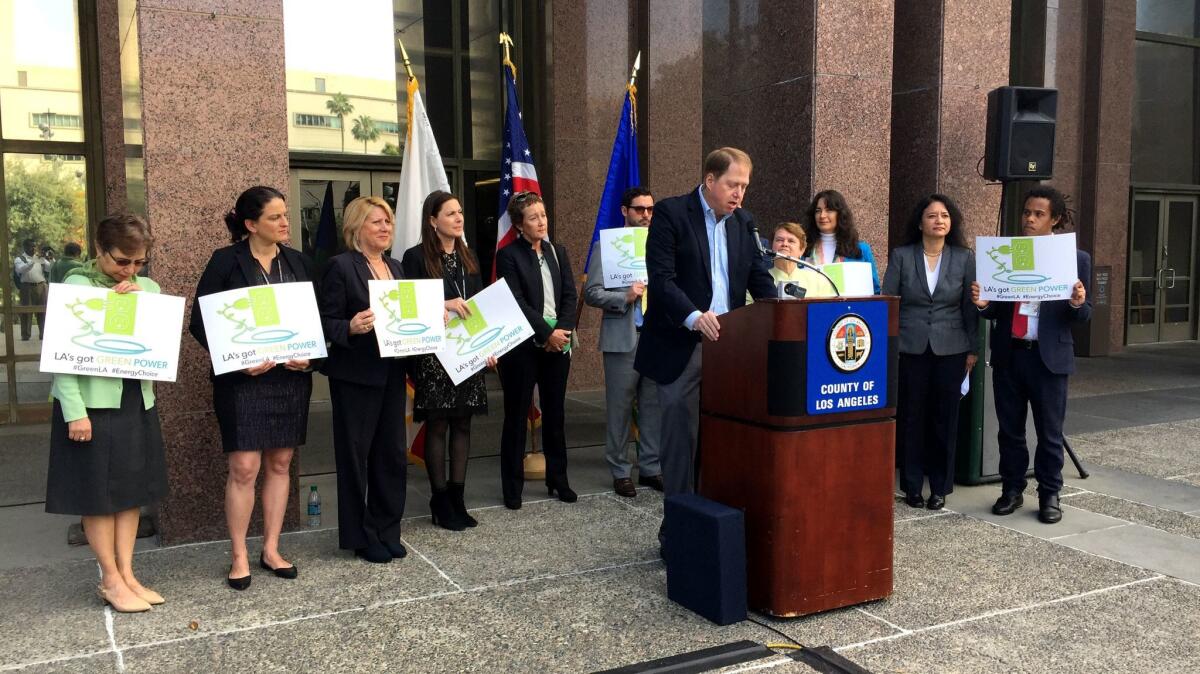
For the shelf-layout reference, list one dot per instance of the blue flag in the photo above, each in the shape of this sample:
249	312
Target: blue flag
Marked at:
326	243
623	173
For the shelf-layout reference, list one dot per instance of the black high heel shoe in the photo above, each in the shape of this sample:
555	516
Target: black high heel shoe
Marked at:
288	572
565	493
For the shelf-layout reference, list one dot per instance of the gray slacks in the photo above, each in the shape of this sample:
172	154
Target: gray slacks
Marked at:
622	385
680	401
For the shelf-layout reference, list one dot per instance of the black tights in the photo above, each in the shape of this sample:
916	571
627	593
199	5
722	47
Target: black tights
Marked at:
435	450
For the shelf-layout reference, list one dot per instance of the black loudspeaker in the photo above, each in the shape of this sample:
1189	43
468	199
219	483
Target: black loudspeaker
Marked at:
1020	133
705	553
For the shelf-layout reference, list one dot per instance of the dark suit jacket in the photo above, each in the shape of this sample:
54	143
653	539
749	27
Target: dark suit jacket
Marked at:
413	265
234	267
945	320
678	263
353	358
1055	342
517	264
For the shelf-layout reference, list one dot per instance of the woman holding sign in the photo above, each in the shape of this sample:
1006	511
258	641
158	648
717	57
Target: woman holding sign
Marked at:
539	274
444	407
932	274
366	390
262	410
106	451
832	236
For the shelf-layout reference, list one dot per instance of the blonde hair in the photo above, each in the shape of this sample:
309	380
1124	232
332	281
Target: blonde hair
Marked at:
355	216
794	229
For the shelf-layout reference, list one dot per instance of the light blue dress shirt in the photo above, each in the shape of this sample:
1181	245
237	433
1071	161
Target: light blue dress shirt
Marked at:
718	262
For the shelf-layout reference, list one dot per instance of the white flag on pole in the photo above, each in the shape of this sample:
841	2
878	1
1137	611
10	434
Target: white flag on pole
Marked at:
421	173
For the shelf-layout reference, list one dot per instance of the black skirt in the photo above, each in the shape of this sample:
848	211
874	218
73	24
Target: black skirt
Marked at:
123	466
263	412
436	396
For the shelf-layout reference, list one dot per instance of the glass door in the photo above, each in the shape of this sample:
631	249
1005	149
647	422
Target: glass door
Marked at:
1162	252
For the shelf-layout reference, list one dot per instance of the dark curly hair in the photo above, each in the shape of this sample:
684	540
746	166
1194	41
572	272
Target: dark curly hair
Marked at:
846	233
1062	214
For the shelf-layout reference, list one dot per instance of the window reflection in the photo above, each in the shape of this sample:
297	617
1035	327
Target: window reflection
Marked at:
1164	113
341	82
1171	17
40	91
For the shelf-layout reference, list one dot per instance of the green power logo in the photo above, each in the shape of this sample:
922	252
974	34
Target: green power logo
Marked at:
255	317
106	325
471	333
1015	262
632	246
400	303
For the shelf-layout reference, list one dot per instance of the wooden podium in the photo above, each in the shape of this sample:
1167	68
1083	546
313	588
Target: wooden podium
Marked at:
797	429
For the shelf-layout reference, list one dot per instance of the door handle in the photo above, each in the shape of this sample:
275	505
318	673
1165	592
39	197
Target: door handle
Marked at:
1172	270
1158	281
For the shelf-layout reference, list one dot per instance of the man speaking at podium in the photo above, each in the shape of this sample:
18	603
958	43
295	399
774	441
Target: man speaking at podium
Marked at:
701	259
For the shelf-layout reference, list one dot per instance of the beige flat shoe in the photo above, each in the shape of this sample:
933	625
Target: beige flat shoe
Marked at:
150	596
135	606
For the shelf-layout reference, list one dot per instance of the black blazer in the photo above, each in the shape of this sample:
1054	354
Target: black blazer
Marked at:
1056	344
353	358
413	265
678	262
517	264
946	319
234	267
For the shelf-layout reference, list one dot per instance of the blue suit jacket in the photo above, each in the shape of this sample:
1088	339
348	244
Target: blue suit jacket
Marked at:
1055	342
678	264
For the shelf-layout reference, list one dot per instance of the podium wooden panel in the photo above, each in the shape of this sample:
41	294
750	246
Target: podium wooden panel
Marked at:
816	488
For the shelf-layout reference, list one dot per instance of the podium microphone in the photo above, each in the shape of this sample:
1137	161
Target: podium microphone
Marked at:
795	290
772	255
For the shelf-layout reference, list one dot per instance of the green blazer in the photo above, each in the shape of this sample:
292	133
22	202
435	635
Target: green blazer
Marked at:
78	392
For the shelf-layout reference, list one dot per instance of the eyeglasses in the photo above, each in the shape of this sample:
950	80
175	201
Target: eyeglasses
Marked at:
642	210
520	197
125	262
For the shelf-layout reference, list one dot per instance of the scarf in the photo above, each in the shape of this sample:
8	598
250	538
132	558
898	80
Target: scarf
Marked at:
91	271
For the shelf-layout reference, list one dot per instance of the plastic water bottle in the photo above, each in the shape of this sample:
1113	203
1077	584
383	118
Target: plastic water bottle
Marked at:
314	507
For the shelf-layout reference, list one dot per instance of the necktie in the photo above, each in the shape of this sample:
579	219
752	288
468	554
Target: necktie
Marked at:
1020	322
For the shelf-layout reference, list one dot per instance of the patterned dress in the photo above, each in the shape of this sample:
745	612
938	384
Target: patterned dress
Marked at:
436	396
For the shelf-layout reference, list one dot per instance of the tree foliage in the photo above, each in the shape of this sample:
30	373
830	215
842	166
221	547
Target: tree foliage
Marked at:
339	105
364	129
45	202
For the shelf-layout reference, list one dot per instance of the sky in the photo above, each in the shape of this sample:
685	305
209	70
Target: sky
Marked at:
47	34
349	37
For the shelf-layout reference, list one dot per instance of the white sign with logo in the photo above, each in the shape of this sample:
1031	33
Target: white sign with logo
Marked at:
494	327
408	316
248	326
852	278
97	332
1026	268
623	251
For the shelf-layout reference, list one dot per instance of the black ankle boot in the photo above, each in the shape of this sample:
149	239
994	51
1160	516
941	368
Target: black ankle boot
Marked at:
455	489
443	513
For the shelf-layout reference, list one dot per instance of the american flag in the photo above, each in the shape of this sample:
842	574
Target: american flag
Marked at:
517	173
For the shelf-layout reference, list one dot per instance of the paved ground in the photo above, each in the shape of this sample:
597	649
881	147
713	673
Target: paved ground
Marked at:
555	587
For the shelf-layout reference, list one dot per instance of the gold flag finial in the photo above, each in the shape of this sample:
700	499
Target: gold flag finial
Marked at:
404	55
507	43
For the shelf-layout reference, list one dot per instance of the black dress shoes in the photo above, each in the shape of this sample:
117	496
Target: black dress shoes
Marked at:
624	487
1049	511
288	572
513	503
936	502
655	482
914	501
565	493
375	553
396	548
238	583
1008	502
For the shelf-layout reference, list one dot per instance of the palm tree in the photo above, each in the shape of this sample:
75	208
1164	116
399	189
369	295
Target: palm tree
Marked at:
364	129
339	104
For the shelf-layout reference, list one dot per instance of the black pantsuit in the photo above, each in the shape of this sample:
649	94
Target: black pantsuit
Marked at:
372	461
529	363
367	395
520	370
930	386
